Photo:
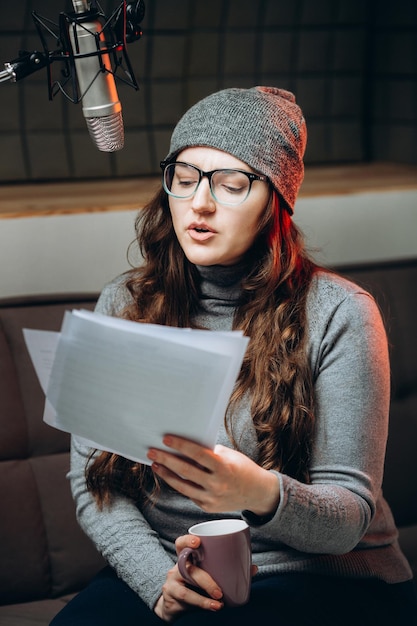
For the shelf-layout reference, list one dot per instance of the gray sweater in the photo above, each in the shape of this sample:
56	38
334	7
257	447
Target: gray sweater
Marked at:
339	524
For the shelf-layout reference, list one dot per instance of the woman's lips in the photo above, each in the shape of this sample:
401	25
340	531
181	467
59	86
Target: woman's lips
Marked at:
200	232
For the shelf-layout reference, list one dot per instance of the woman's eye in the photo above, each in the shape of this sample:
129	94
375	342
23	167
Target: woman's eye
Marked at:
232	189
231	183
186	182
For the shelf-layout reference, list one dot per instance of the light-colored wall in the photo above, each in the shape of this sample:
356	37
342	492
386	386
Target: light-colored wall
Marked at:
360	227
82	252
63	253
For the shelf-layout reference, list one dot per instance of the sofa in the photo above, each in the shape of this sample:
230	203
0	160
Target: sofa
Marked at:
44	556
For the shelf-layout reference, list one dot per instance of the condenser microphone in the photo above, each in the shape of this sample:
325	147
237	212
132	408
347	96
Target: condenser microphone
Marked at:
100	102
89	60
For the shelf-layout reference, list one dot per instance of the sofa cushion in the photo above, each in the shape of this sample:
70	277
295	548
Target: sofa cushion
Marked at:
43	552
393	285
38	613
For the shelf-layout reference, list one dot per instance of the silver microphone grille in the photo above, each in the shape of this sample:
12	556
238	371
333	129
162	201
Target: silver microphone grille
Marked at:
107	132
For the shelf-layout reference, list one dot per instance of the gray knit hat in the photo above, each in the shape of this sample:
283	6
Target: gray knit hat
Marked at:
262	126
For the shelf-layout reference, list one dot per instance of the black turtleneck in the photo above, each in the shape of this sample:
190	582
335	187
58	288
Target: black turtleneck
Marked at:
220	292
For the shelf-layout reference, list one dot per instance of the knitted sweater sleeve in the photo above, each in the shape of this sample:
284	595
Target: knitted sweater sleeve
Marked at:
119	531
349	357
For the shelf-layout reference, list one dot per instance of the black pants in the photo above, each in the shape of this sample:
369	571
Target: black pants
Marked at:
281	600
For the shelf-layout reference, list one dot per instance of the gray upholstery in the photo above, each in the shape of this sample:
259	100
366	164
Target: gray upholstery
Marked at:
394	286
44	555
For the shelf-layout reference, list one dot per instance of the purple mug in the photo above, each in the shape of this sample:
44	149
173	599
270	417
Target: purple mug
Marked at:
225	553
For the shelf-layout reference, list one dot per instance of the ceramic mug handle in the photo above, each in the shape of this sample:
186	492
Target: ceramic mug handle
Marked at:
186	555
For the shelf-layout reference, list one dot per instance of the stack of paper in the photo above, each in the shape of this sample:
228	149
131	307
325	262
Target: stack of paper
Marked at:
122	385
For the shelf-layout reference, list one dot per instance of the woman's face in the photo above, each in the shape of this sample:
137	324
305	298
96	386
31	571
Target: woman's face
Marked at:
211	233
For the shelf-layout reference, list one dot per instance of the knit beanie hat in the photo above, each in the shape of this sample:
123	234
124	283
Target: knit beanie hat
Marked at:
261	126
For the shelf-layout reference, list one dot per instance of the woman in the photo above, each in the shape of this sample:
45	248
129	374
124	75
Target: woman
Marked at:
301	453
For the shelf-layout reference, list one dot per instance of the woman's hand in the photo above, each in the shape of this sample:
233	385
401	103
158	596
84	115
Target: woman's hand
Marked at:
177	597
216	480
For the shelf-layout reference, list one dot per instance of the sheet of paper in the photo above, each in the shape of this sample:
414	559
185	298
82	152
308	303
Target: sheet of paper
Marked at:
122	385
41	345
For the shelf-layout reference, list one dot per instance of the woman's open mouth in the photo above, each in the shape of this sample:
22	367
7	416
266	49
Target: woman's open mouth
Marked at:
200	232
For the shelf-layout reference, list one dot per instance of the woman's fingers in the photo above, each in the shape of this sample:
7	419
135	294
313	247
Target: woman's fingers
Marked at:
186	541
178	597
216	480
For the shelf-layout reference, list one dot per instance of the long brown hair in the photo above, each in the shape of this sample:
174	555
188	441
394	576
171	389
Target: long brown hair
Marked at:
272	312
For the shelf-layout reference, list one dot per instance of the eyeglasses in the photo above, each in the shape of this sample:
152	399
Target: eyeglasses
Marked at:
230	187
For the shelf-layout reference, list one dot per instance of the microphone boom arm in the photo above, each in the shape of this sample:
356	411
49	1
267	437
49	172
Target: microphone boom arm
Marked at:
26	63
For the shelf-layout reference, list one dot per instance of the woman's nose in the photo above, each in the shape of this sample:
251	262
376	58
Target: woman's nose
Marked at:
202	199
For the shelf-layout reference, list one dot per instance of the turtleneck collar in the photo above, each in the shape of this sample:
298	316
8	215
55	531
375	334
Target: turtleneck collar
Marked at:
221	284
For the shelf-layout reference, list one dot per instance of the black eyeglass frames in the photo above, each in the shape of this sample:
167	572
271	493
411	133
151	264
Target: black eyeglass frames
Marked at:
227	186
